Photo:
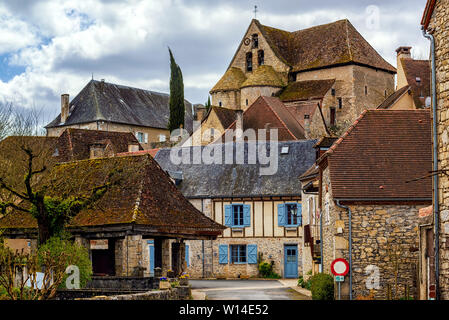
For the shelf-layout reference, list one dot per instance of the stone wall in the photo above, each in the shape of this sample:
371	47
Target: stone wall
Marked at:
308	264
251	94
440	24
178	293
228	99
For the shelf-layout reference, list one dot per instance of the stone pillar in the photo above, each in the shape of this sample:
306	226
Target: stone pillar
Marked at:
166	263
178	257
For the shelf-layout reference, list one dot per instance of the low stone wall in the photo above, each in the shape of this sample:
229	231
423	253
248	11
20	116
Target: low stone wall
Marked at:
178	293
123	283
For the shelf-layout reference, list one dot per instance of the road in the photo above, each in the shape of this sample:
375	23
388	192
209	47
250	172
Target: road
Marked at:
246	290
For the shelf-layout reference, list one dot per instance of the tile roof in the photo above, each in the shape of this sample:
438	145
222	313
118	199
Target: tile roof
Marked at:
142	195
394	97
322	46
231	80
306	90
225	115
300	110
74	144
380	153
427	14
103	101
271	111
264	75
418	69
237	180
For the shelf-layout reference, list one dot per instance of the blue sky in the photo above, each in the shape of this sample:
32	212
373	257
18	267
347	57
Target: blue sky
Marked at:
50	47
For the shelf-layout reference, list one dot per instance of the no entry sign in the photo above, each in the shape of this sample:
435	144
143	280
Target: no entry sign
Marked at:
340	267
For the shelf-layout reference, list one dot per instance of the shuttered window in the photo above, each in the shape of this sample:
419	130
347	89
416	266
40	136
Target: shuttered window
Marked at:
289	214
237	215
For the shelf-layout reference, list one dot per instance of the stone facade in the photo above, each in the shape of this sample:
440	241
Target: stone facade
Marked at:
227	99
440	24
384	237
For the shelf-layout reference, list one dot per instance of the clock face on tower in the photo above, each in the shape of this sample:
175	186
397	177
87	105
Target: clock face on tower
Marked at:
247	41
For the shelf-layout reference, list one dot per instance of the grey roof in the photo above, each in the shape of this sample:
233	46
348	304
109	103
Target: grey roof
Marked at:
234	180
103	101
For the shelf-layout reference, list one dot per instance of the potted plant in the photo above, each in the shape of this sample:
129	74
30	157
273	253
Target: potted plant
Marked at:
170	273
164	284
184	279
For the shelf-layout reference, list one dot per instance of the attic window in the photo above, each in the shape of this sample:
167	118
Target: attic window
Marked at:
249	61
284	150
255	39
260	57
306	116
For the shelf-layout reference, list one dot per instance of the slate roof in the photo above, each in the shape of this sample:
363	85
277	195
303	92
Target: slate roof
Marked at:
231	80
306	90
271	110
383	150
263	76
141	194
237	180
74	144
322	46
394	97
418	69
103	101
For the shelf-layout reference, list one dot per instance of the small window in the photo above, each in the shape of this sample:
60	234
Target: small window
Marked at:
385	93
56	153
306	116
292	214
249	61
238	253
237	215
332	116
140	137
162	138
340	103
246	102
219	103
255	41
366	90
333	92
260	57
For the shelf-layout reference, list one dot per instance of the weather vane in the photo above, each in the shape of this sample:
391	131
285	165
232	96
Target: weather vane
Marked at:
255	12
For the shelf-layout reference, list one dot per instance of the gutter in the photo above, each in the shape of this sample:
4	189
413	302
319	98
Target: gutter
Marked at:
350	244
436	209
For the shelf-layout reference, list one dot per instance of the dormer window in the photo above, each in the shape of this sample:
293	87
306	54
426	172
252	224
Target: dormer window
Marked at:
255	41
249	61
260	57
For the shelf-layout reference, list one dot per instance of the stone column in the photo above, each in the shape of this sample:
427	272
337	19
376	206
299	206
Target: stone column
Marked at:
166	263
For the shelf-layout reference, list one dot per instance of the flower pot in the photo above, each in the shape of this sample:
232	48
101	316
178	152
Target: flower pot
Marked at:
183	282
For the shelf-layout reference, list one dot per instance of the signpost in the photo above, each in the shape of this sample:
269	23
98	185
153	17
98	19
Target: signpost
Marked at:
340	268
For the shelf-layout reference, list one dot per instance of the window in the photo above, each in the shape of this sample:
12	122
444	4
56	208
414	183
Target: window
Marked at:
385	93
237	215
246	101
219	103
162	138
333	92
260	57
366	90
340	103
289	214
238	253
327	217
255	41
332	116
139	136
249	61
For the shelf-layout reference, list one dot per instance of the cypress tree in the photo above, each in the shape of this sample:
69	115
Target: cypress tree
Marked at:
176	103
207	103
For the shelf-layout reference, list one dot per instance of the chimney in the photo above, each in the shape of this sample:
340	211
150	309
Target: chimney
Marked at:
239	124
404	52
64	107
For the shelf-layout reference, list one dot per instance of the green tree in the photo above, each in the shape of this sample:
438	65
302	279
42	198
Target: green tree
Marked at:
177	108
207	105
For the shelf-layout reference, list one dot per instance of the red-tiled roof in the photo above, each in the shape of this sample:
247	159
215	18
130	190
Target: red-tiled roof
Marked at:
151	152
300	110
383	150
425	20
414	69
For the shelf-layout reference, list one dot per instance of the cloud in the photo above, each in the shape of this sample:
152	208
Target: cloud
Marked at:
59	44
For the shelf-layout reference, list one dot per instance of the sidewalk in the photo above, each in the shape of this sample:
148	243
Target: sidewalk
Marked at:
293	283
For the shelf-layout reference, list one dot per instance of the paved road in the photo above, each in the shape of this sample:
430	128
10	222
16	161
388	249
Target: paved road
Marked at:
245	290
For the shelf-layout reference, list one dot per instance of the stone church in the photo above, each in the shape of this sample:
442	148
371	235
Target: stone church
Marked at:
324	75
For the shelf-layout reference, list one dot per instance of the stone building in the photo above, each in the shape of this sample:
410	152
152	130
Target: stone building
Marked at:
413	83
110	107
371	188
436	21
262	213
141	204
270	61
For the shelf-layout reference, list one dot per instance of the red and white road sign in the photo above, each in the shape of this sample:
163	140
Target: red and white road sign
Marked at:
340	267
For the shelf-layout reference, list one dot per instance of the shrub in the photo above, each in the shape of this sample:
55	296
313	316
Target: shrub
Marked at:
322	287
265	269
72	253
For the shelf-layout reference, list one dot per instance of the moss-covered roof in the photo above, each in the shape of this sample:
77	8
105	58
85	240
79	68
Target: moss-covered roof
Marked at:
305	90
263	76
231	80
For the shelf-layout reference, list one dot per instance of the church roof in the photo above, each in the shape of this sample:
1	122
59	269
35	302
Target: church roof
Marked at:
326	45
103	101
231	80
263	76
306	90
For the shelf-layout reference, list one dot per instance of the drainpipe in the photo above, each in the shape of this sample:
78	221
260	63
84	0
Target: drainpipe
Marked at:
436	212
350	245
202	241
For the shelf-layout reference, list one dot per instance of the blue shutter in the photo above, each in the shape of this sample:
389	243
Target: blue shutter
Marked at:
251	252
246	215
187	255
228	215
299	214
223	254
281	215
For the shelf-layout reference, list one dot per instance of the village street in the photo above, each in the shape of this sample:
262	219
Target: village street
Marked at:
246	290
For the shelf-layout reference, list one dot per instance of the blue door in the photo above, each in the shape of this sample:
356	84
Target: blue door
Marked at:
291	261
151	248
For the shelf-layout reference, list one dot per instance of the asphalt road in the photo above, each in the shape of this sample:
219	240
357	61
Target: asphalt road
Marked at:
246	290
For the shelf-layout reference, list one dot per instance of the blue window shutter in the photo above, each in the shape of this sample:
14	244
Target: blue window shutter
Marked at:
251	250
228	215
246	215
223	254
299	206
187	255
281	215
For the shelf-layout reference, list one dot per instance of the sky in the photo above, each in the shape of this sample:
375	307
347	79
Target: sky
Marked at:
51	47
